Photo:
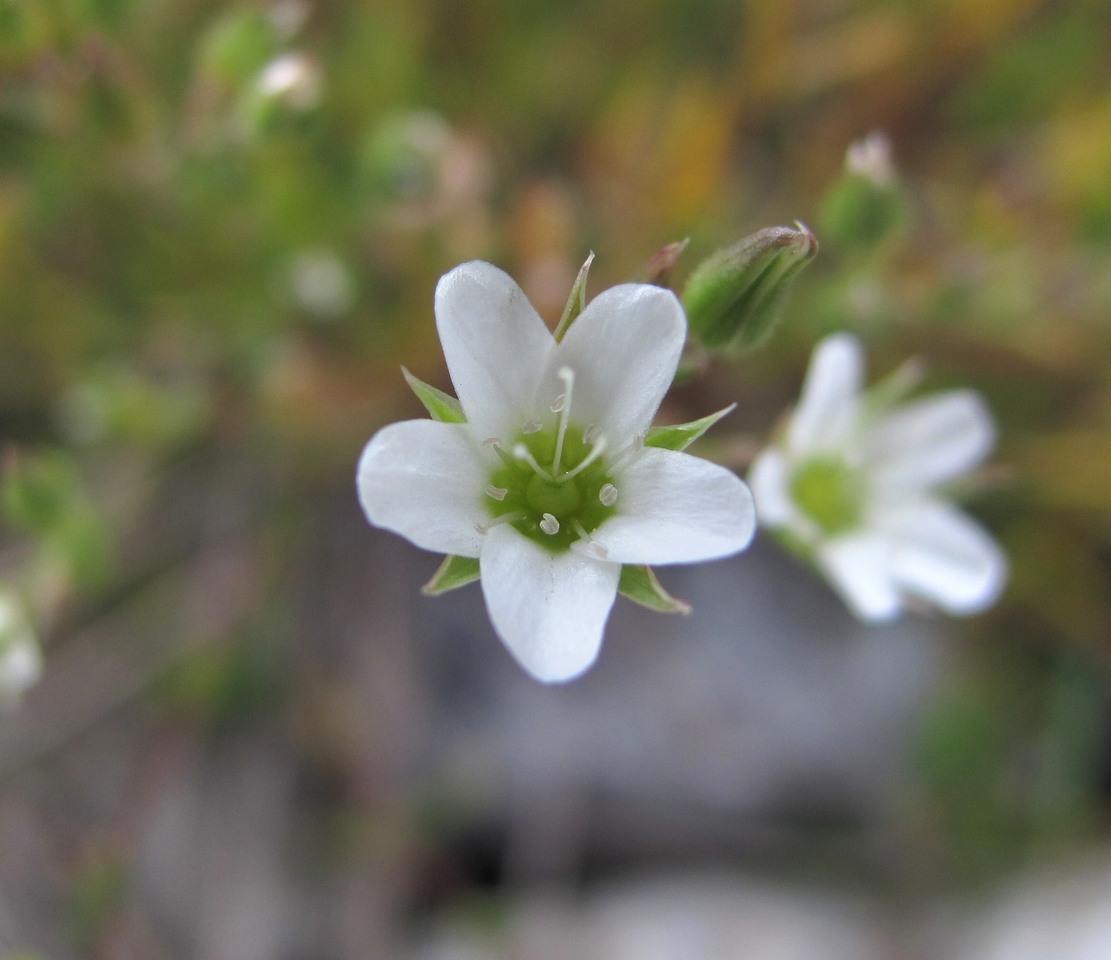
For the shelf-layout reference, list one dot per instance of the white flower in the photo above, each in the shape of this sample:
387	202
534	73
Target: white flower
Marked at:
20	659
870	158
854	485
548	482
293	78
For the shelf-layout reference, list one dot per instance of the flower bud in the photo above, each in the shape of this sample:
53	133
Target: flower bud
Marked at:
734	298
286	91
866	204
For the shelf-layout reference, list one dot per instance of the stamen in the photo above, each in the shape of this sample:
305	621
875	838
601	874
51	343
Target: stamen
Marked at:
599	550
608	495
512	517
562	406
550	525
498	493
595	453
494	443
521	452
532	426
631	452
590	434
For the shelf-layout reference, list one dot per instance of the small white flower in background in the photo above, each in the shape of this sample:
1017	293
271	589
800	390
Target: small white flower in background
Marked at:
320	282
547	479
20	659
293	78
870	157
854	484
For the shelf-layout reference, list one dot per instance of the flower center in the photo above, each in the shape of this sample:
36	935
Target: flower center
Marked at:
830	492
553	485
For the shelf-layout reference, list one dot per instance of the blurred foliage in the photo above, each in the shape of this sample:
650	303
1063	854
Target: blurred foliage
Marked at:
201	257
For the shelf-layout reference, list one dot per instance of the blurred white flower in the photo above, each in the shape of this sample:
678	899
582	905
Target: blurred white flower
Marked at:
294	78
870	157
20	659
854	483
321	283
546	479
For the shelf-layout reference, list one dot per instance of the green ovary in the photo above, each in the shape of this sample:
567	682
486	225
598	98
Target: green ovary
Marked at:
574	501
830	492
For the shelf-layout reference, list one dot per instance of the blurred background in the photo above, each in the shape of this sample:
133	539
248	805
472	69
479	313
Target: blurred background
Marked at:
221	225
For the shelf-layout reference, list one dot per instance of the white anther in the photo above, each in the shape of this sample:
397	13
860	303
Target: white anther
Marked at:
498	493
532	426
550	525
491	442
559	403
608	495
590	434
587	542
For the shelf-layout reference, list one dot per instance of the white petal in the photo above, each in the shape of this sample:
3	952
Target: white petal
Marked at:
675	508
624	350
549	609
770	482
424	480
495	344
826	412
930	441
858	567
942	555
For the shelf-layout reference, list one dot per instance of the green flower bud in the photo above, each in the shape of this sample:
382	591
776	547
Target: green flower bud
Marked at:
283	95
236	48
866	205
734	298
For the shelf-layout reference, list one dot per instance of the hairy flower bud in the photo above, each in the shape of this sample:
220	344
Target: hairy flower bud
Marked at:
734	298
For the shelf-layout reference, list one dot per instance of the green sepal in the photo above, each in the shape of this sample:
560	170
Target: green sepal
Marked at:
681	435
885	394
735	297
453	573
640	585
657	271
440	406
859	214
576	301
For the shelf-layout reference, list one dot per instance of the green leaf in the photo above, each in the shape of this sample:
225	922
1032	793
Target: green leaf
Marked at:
440	406
576	301
453	573
640	585
681	435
